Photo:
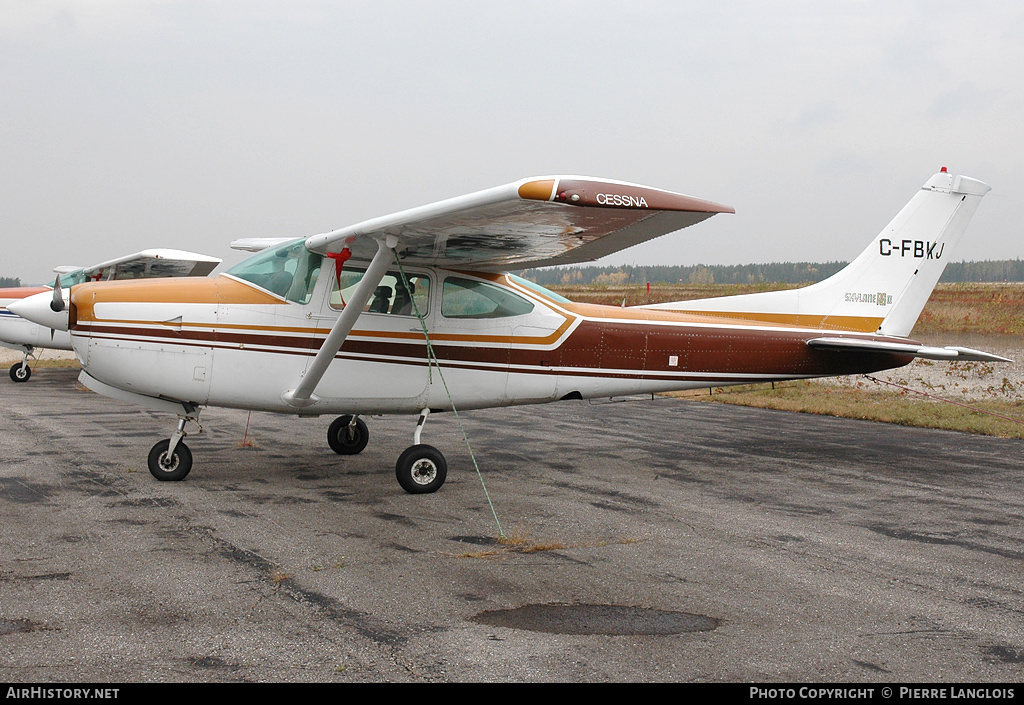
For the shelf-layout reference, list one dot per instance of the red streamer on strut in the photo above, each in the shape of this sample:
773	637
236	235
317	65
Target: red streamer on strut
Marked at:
340	258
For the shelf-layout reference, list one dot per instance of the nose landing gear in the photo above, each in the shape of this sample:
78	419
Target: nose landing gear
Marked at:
171	460
20	372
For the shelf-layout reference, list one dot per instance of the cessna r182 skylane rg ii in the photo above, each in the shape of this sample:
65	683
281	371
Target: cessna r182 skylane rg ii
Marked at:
24	335
351	321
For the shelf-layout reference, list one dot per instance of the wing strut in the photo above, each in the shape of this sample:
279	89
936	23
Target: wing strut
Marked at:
303	395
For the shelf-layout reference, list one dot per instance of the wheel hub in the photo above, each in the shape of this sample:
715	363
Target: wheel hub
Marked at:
168	464
424	471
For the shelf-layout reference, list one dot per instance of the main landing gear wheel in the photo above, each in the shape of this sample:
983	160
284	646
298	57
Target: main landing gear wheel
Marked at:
21	372
421	469
172	468
347	438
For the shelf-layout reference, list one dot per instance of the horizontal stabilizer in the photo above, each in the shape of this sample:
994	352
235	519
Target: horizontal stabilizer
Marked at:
915	349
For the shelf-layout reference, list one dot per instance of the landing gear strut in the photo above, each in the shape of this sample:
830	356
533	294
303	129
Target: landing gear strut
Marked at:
421	468
171	460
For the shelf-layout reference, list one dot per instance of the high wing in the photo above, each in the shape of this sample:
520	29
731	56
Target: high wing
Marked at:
534	222
258	244
152	263
922	351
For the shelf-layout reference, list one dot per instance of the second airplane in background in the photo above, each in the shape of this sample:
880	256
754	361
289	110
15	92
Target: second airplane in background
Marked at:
25	335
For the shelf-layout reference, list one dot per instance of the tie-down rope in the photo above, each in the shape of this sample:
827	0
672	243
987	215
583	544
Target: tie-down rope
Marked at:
432	358
938	398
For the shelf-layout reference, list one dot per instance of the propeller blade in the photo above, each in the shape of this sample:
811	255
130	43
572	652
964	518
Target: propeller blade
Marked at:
57	305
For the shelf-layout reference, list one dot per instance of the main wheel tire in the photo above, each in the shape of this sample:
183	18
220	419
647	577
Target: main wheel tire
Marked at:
346	438
21	372
421	469
170	469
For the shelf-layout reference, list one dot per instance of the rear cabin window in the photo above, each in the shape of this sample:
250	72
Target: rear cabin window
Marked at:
468	298
391	296
539	289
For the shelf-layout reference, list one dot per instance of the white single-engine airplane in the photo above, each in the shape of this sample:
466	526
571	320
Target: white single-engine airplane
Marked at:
352	321
24	335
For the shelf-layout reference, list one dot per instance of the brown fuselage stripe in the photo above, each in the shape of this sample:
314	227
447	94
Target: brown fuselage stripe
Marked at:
595	345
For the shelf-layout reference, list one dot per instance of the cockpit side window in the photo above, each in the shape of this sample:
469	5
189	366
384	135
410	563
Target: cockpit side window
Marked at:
290	271
391	296
468	298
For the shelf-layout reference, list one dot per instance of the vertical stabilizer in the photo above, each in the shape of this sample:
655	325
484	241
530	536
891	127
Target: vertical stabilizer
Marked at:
885	288
924	242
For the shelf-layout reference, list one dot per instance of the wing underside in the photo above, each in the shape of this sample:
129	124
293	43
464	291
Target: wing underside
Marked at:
153	263
530	223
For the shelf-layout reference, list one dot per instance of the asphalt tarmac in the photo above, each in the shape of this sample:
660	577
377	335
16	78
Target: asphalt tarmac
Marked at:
647	540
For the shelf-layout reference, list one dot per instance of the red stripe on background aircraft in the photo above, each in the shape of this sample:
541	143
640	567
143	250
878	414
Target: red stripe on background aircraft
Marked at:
347	322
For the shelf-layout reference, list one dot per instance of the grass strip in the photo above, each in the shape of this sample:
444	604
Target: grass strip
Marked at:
873	404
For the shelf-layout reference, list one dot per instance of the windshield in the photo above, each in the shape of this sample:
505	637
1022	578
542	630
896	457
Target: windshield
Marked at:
70	279
288	270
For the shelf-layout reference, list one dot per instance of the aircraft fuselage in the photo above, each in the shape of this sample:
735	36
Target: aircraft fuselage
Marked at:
227	342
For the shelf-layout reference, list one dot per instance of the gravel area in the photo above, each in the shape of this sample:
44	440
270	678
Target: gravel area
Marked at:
959	381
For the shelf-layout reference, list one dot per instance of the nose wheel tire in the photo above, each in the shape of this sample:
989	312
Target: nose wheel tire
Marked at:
21	372
346	438
172	468
421	469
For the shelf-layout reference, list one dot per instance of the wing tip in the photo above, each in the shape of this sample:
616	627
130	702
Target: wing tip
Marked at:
538	189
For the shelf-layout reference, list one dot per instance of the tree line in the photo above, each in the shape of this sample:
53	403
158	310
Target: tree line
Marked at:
1007	270
783	272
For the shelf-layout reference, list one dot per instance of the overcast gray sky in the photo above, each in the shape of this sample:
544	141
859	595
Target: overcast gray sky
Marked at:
130	124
